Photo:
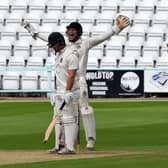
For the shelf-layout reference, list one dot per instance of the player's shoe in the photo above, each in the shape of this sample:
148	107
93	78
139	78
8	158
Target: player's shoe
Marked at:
55	151
90	144
66	151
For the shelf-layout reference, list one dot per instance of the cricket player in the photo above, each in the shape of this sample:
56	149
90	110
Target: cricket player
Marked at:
67	89
74	34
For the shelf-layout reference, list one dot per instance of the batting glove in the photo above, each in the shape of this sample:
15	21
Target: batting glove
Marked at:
30	29
67	97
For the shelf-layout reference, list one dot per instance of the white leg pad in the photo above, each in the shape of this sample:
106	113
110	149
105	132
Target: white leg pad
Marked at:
59	128
69	114
89	122
70	126
59	135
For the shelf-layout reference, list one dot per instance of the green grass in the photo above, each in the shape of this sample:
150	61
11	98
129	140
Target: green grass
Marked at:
120	126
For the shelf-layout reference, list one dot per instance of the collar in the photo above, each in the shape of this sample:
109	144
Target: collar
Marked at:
62	51
76	42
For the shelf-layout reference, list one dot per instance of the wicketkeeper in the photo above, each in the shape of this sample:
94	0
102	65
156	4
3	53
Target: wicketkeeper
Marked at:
74	33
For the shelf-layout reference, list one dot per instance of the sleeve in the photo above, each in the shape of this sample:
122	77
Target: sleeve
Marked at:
42	37
97	40
73	61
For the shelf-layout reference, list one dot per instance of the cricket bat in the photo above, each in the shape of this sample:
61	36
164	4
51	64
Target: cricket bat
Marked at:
52	124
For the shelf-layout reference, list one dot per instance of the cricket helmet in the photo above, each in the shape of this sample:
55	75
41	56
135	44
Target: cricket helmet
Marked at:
54	38
77	26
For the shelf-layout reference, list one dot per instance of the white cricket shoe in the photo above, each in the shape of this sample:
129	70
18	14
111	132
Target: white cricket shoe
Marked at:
66	151
90	144
55	151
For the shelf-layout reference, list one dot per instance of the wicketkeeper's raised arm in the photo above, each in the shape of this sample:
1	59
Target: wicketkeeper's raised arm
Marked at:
34	33
121	23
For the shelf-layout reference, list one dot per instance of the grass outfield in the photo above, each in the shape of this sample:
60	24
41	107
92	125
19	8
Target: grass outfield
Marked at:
120	126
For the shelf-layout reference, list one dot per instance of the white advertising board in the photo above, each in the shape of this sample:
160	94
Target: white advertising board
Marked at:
156	81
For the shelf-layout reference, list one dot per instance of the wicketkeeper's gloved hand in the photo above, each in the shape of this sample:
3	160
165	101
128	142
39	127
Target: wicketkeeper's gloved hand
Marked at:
122	22
30	29
68	95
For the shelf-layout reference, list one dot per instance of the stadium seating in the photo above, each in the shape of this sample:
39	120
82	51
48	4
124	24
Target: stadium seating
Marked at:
43	81
162	6
35	61
109	5
112	56
145	62
16	61
11	80
21	48
132	51
142	44
29	80
3	60
109	62
114	47
39	48
5	48
50	61
127	62
95	55
161	62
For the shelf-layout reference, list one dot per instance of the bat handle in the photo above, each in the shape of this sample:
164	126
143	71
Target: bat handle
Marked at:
62	106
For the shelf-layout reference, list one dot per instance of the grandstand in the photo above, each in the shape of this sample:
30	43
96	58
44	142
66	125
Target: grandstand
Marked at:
24	61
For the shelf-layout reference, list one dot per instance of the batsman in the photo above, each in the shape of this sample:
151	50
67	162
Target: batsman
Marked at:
67	90
74	33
